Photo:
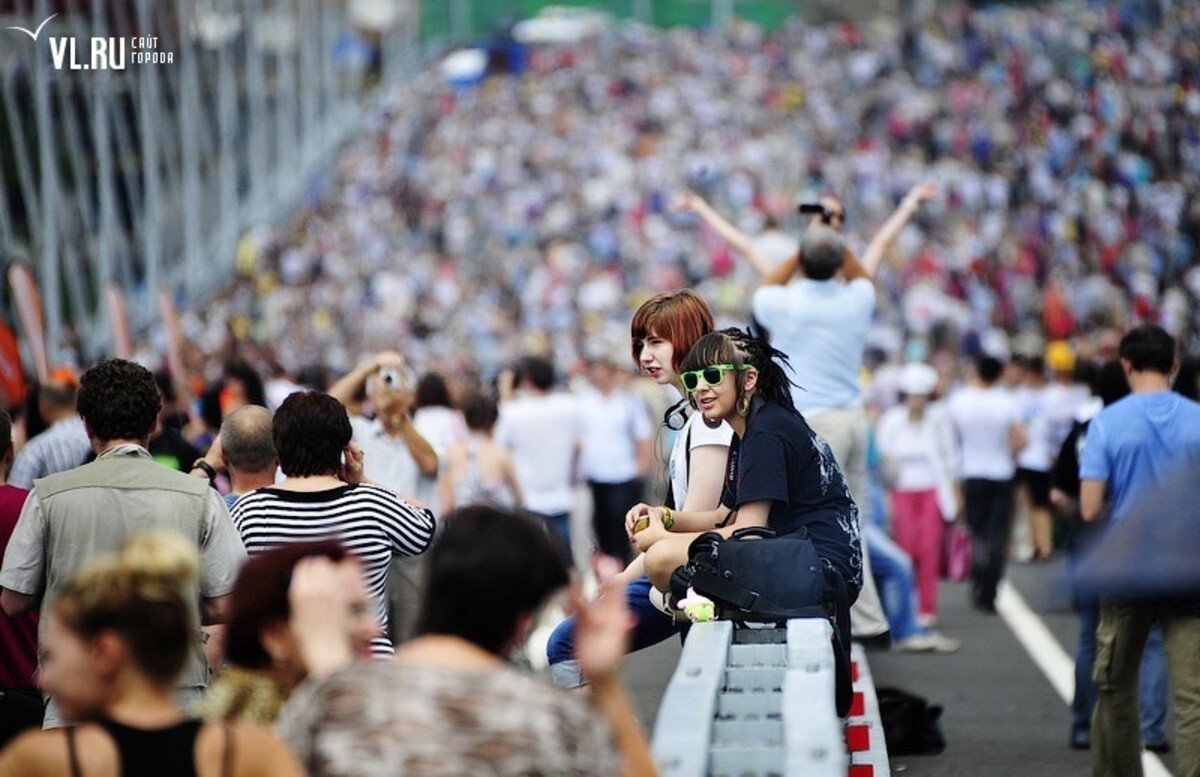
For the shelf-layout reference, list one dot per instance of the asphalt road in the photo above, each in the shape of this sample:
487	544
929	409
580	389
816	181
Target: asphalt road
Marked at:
1002	715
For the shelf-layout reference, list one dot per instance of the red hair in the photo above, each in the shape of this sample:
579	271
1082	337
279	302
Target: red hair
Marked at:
679	317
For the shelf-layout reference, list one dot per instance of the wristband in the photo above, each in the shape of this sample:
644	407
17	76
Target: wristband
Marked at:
208	469
668	518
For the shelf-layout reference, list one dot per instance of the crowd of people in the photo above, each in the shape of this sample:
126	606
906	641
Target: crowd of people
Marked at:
158	609
1061	138
375	459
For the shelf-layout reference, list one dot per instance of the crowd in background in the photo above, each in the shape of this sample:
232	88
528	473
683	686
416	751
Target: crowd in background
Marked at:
471	221
470	227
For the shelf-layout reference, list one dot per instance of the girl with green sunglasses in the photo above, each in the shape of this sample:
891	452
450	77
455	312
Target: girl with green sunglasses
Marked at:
780	474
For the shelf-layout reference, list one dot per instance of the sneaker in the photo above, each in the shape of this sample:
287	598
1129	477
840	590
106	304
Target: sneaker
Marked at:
1081	739
931	642
941	643
659	600
1162	748
926	620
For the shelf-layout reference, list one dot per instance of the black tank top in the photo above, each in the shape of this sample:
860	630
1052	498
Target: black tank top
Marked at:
147	753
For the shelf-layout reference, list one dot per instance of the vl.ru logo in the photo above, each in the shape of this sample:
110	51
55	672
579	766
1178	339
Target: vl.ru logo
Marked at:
103	53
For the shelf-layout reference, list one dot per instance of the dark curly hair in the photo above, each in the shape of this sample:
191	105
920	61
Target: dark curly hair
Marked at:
118	400
741	348
310	430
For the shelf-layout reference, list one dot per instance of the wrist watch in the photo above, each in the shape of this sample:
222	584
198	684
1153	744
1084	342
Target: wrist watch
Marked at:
208	469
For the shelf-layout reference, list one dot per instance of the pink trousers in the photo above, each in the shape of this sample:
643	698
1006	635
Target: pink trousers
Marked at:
917	526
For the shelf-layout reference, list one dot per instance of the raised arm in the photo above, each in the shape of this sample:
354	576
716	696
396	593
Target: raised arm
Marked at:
351	384
690	202
887	234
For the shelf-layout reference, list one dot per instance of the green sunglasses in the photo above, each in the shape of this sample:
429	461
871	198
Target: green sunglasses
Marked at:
711	376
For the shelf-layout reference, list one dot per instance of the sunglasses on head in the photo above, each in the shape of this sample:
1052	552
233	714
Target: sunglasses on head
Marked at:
711	376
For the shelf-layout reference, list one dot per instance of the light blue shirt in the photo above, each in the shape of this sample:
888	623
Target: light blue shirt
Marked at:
1138	443
822	327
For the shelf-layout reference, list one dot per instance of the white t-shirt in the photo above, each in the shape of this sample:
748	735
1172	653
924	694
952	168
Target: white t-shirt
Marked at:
1062	405
610	428
1037	454
982	418
386	461
822	327
443	427
920	452
694	434
541	432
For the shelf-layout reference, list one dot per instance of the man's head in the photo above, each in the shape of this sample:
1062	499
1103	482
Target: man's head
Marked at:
118	400
488	575
247	441
989	369
536	373
821	252
310	431
1148	348
56	397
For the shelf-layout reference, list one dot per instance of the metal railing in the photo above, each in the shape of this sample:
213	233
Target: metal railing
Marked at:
140	138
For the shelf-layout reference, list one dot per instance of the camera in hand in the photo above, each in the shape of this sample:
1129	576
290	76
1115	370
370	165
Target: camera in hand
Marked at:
391	378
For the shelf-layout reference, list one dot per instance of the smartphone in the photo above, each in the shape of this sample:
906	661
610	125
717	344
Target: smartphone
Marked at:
641	523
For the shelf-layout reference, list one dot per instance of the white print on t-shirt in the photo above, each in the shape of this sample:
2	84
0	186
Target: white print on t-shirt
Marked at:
825	458
848	520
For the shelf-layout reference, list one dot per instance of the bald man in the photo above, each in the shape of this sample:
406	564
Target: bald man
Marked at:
245	450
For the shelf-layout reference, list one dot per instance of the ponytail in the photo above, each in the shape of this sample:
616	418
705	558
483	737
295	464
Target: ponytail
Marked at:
774	385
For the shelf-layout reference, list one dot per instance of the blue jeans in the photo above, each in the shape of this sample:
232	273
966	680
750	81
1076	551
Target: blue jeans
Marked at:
1152	679
559	525
653	626
894	578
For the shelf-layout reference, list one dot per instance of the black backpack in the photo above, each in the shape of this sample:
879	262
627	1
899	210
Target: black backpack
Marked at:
755	575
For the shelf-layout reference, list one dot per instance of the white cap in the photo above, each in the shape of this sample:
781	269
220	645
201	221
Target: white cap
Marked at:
918	379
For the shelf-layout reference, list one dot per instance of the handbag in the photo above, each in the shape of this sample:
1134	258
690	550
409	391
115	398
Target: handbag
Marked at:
957	553
756	575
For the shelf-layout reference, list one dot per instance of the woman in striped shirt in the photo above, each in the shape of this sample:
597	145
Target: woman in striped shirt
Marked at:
325	496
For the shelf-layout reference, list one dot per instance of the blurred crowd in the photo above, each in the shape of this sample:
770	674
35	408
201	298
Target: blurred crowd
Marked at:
531	212
479	242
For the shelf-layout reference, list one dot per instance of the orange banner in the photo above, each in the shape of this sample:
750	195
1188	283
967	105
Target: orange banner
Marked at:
12	374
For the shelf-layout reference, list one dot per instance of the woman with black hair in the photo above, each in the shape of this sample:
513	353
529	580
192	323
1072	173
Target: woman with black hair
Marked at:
781	474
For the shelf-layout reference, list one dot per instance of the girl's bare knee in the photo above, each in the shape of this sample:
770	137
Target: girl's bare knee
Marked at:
661	560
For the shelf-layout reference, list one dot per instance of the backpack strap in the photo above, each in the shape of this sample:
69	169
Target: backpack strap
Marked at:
728	591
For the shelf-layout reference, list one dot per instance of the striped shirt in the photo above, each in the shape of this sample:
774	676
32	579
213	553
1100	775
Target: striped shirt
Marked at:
372	522
65	445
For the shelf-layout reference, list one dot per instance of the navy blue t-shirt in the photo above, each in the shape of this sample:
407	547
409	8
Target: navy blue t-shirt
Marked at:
783	461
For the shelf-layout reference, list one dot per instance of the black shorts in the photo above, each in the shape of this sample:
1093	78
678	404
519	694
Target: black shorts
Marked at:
1038	484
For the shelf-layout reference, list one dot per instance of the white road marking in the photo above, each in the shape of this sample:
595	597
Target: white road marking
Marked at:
1050	657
